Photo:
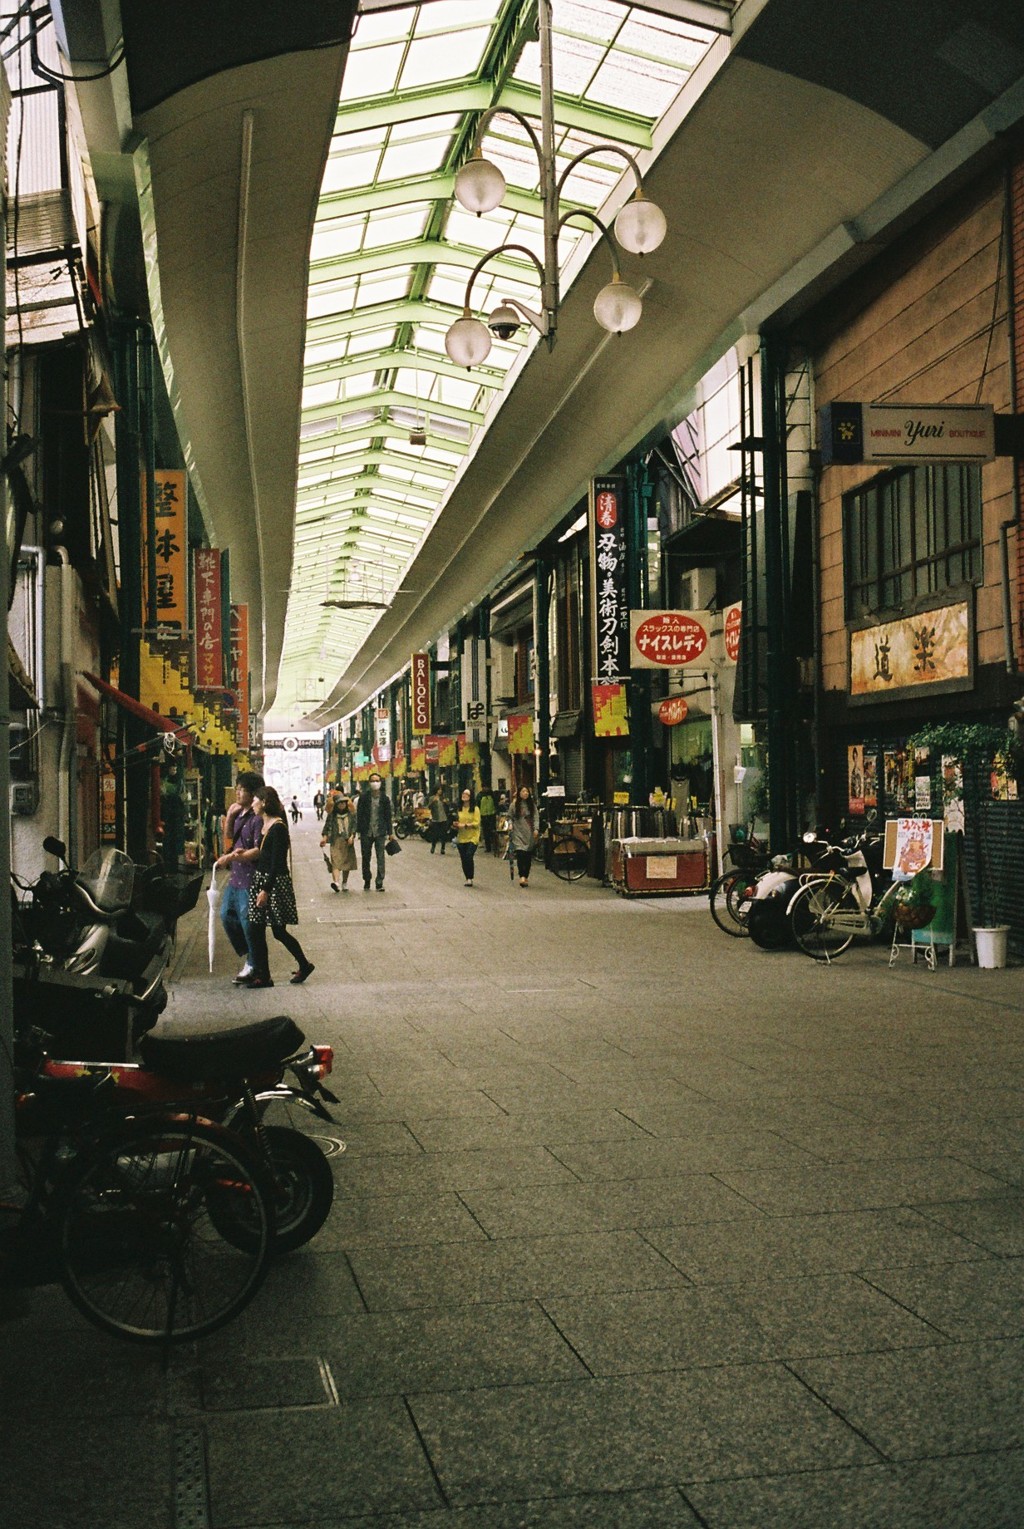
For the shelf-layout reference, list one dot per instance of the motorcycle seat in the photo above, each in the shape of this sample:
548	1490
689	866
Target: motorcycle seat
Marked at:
196	1056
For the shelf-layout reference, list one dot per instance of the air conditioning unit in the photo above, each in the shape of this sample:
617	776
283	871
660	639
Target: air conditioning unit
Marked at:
697	589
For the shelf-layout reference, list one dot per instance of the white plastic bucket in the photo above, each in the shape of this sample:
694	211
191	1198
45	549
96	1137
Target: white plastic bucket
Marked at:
991	946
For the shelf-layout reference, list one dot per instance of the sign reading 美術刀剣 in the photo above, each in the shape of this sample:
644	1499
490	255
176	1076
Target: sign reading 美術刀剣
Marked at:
902	433
608	593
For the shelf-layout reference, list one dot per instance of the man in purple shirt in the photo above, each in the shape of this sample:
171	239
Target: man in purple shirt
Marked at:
242	830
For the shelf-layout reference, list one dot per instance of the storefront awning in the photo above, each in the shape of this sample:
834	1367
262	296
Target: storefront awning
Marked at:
566	724
708	538
144	713
21	695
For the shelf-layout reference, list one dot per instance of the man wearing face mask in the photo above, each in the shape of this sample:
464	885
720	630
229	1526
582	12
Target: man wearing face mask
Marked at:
374	826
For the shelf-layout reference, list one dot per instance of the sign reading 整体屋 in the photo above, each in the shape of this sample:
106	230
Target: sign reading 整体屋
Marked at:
609	599
932	648
906	433
665	639
165	550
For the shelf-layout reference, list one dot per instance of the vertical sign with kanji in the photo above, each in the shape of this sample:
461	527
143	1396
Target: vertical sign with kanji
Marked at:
209	638
609	600
239	675
170	541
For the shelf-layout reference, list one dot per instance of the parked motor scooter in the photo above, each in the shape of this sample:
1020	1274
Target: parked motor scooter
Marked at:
235	1077
91	948
766	904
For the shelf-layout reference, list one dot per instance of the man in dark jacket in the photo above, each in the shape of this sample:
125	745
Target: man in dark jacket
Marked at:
374	826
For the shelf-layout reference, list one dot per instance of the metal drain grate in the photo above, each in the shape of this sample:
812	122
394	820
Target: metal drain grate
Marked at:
191	1489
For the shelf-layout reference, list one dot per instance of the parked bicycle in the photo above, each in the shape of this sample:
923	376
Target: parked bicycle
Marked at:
159	1227
854	899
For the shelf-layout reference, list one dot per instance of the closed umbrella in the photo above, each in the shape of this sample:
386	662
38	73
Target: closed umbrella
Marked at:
213	898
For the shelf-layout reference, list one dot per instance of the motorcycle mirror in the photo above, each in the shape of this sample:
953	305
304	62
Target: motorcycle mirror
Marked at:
56	847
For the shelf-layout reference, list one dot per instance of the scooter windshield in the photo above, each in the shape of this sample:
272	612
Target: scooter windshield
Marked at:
107	877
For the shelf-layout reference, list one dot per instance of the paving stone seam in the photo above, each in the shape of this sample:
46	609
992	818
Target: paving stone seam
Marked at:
837	1412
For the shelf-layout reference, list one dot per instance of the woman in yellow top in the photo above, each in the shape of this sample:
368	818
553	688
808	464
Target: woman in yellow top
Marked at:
467	836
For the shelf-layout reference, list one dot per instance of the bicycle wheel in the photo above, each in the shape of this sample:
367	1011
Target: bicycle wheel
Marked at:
812	914
728	908
141	1253
569	858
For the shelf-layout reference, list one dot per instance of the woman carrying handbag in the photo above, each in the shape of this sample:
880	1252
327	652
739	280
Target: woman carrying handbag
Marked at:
340	834
272	896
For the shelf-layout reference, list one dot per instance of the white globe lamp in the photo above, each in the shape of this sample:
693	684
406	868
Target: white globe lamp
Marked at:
479	186
468	342
640	226
617	307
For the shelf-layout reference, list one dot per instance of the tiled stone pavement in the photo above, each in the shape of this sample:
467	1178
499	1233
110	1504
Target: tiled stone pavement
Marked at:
636	1226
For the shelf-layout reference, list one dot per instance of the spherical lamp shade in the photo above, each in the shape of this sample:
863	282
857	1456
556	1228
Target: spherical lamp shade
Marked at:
468	342
617	307
640	226
479	186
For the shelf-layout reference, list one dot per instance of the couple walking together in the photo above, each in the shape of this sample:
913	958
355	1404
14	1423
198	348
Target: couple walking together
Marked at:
260	890
372	823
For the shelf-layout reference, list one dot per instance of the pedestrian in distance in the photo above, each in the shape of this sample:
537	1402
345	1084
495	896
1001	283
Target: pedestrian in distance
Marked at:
295	810
488	820
524	831
272	896
318	804
438	820
241	851
339	836
374	825
467	834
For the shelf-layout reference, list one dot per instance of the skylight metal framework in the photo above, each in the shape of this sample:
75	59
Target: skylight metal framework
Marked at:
391	250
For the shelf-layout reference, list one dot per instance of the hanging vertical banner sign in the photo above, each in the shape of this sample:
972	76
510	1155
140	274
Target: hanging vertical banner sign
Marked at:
239	675
611	711
209	636
170	541
420	693
474	689
382	736
609	600
733	627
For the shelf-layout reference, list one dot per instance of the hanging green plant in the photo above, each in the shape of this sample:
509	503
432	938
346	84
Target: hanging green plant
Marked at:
965	740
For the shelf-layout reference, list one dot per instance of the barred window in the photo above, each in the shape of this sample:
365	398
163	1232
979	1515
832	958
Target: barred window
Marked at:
909	534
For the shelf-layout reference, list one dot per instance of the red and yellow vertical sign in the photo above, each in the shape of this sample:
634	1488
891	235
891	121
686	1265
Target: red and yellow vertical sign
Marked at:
240	668
170	543
209	636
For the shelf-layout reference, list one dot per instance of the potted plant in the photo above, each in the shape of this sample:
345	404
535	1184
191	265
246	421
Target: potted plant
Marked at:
914	901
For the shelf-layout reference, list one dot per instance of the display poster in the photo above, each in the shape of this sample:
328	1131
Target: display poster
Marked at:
420	693
609	600
108	803
911	845
870	758
170	541
666	639
855	779
520	733
611	711
931	648
418	758
952	794
209	634
469	750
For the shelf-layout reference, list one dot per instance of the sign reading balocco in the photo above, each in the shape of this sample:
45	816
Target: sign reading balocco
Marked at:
420	693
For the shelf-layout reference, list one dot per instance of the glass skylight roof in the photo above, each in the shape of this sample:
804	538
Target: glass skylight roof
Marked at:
392	251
